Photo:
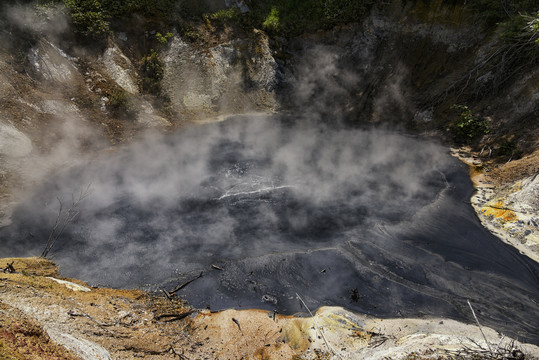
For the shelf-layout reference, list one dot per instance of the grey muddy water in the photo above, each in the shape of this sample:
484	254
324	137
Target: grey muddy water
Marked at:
375	221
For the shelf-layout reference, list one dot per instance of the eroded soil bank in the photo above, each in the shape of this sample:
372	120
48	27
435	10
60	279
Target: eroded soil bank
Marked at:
42	316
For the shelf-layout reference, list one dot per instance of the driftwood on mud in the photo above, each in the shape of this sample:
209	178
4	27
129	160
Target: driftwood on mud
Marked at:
170	294
174	316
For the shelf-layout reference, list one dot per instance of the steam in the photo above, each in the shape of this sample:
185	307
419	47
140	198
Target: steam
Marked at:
52	130
281	208
282	203
49	21
323	85
238	189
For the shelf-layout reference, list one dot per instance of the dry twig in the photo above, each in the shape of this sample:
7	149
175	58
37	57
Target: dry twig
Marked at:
181	286
318	329
479	325
63	219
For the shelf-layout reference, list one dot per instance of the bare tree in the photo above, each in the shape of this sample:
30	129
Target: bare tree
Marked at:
64	218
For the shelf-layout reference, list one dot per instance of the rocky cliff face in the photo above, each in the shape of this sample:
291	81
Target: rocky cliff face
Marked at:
234	77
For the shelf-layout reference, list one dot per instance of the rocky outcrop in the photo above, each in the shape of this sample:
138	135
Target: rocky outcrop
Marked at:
236	77
511	210
52	63
119	68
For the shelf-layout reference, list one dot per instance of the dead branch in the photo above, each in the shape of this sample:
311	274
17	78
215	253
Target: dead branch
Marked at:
174	316
318	329
179	287
237	323
479	325
101	325
9	268
63	219
503	63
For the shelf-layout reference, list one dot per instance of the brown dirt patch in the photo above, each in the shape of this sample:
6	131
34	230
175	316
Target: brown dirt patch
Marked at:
24	338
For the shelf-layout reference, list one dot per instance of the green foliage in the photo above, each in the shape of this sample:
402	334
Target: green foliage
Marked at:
495	11
284	17
163	39
89	17
121	104
532	26
188	32
92	17
509	148
152	70
521	27
522	32
149	8
224	15
293	17
191	9
514	28
272	22
467	127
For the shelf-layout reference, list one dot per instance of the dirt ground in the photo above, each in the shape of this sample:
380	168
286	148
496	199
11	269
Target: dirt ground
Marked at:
45	317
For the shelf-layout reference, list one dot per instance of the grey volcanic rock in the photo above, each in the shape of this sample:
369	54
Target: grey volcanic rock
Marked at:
526	200
120	69
235	77
52	63
13	143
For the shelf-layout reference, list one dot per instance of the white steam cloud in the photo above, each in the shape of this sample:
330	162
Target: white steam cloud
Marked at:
242	188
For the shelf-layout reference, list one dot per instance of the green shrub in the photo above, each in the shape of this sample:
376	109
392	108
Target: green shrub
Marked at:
121	104
521	28
224	15
293	17
272	21
495	11
188	32
532	26
467	127
510	149
152	70
163	39
89	17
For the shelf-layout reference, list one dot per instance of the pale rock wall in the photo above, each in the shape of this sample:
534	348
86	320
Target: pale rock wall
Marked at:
52	63
512	213
119	68
235	77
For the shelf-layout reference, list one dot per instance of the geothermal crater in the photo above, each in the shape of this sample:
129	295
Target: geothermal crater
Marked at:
374	221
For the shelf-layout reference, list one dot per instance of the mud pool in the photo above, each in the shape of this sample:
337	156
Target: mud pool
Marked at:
374	221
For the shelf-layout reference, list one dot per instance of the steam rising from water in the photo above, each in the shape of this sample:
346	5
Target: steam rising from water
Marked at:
287	176
282	209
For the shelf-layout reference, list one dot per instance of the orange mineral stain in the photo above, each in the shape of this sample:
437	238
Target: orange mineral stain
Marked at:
498	211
